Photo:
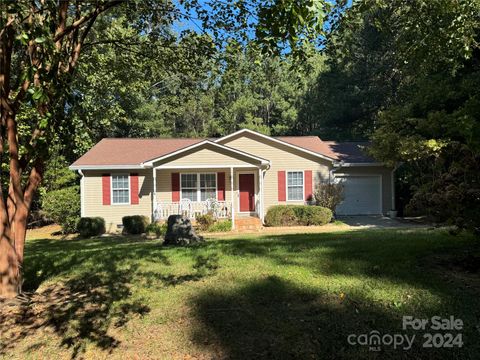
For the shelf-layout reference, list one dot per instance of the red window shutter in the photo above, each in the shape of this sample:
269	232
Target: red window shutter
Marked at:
308	185
175	187
134	189
282	194
221	186
106	189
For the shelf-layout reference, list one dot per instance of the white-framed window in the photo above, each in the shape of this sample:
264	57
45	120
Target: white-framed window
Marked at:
120	189
189	186
208	186
295	185
198	186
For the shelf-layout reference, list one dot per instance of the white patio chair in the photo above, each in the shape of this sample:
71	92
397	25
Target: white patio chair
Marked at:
158	211
185	207
211	205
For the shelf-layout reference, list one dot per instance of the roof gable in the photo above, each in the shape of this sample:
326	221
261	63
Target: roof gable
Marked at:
280	140
207	143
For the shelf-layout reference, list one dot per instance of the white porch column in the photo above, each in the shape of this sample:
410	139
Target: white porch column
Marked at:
231	198
260	194
154	197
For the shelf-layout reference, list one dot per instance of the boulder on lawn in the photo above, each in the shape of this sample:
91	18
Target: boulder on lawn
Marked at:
180	231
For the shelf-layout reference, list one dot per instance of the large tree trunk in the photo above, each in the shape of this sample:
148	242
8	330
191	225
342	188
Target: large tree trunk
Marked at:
11	263
13	230
14	210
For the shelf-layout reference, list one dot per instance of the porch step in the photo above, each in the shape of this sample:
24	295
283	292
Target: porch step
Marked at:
248	223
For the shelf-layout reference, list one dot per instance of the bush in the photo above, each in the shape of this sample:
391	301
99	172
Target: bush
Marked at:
312	215
205	221
329	195
91	226
290	215
135	224
280	215
156	229
221	226
63	207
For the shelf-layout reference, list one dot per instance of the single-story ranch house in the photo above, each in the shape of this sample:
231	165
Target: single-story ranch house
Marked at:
237	176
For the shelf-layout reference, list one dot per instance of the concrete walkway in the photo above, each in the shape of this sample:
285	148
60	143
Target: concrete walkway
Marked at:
380	222
346	223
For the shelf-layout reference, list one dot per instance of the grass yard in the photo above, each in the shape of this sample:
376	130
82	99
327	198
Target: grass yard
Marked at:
281	297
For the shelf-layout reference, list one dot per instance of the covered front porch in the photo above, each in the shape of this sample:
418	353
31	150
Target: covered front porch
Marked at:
232	192
208	178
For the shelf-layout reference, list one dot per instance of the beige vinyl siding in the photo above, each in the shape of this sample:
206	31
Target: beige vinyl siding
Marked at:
386	174
93	200
207	156
283	158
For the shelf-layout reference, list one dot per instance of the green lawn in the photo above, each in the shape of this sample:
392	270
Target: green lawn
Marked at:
290	296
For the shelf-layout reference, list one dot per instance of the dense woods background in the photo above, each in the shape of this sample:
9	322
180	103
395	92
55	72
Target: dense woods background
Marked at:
402	74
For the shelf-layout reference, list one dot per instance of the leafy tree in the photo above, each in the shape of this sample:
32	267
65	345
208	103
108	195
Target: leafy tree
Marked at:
63	207
406	75
40	47
434	127
262	93
43	41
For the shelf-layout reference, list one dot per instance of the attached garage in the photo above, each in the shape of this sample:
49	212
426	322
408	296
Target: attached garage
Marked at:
363	195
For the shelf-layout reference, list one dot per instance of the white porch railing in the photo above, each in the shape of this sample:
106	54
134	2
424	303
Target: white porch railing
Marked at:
191	209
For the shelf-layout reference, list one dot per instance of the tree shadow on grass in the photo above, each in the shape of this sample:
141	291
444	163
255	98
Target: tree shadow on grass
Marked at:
80	310
47	258
274	319
394	255
95	295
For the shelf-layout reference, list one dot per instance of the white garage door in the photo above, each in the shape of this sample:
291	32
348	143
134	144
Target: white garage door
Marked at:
362	195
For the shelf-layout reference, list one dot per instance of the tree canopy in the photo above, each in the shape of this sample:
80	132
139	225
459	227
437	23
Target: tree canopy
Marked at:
49	96
406	76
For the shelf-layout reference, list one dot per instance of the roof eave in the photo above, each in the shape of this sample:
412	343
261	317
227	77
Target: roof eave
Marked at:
107	167
354	164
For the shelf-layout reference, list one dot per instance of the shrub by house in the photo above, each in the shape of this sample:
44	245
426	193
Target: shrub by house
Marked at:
135	224
91	226
291	215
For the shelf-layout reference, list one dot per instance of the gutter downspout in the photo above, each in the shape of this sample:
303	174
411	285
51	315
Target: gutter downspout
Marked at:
336	166
82	193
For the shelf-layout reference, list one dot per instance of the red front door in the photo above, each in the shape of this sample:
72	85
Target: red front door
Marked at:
247	192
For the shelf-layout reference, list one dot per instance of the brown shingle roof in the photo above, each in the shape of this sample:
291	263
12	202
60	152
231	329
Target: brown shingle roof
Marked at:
135	151
351	152
131	151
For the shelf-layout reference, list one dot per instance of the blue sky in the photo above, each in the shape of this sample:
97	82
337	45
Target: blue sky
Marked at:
194	24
